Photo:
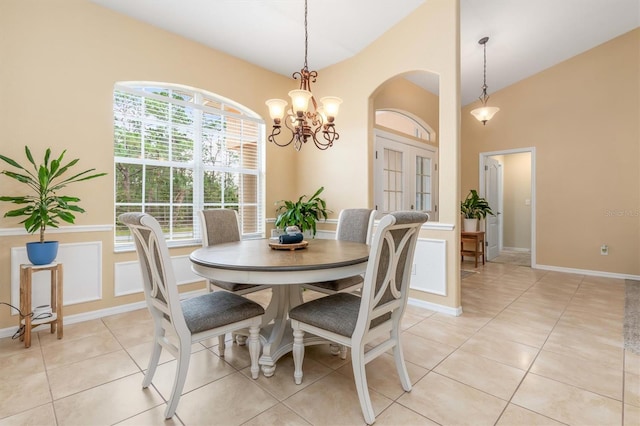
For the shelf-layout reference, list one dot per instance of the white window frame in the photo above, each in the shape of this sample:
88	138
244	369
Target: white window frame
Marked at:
410	149
420	129
199	98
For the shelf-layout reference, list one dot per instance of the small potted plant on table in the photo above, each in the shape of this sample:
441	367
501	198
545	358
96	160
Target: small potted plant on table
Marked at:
301	213
473	208
43	206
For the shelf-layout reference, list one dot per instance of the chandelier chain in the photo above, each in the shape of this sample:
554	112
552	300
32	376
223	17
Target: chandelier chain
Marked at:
306	36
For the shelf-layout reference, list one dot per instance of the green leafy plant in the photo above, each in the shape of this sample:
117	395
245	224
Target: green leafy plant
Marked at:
475	207
43	207
301	213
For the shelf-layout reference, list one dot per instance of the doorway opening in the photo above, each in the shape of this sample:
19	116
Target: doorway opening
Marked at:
507	181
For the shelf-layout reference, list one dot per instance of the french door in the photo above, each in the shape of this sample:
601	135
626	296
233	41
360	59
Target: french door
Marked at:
405	175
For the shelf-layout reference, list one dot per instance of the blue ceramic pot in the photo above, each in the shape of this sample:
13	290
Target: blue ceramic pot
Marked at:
42	253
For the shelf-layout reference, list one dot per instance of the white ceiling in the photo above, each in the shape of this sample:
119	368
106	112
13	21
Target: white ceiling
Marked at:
526	37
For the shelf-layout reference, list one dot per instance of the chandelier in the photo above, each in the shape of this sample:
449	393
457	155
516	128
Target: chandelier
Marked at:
484	113
304	124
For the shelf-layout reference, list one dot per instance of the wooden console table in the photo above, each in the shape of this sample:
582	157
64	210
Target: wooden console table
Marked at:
55	320
475	238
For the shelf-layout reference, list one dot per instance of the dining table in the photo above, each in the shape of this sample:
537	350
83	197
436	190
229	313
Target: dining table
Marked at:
263	261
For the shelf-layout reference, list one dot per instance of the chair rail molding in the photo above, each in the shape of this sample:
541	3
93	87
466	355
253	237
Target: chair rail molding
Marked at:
432	226
12	232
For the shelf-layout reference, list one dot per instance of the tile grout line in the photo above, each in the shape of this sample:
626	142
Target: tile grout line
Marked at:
483	326
432	370
538	354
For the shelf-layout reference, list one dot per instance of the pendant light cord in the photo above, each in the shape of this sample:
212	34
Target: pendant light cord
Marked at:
484	82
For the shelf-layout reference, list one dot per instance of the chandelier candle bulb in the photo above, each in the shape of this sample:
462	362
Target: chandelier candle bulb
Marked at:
300	100
276	108
331	106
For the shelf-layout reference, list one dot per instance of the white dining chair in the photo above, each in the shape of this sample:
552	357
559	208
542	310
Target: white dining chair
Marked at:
372	320
353	225
192	320
220	226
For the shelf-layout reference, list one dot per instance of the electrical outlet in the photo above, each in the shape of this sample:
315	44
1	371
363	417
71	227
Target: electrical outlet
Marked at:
604	250
413	269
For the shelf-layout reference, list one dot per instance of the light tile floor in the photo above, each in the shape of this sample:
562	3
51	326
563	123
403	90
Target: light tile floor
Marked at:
531	348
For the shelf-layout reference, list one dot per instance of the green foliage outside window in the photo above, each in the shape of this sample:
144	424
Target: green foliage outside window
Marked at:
154	146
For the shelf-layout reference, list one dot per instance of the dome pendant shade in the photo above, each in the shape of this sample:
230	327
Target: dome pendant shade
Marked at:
484	113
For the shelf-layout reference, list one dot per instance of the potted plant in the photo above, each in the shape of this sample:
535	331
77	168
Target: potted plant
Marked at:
474	207
43	206
301	213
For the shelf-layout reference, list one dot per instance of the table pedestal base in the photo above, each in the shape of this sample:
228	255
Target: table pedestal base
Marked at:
277	337
285	345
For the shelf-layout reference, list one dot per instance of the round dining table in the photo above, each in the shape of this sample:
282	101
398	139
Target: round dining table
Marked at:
256	262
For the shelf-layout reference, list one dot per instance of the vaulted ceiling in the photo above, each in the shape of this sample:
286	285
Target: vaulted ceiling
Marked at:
526	37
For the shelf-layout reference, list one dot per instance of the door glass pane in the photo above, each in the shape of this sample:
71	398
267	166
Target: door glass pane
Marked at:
393	173
423	183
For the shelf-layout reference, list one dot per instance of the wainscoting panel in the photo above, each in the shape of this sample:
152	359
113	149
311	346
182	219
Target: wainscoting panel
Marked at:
430	266
82	279
128	278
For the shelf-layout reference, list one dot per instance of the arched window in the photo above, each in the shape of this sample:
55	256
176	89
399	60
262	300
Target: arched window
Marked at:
178	150
405	122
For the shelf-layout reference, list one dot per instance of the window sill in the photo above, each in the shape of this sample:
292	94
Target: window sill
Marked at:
126	248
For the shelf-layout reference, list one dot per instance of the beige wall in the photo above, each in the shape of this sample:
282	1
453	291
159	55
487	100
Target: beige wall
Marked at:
516	214
582	116
400	93
60	61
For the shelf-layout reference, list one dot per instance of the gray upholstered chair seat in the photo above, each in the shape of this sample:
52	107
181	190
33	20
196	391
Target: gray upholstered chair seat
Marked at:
337	313
213	310
234	287
336	286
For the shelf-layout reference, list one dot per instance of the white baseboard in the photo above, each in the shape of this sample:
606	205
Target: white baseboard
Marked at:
88	316
587	272
456	312
517	249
